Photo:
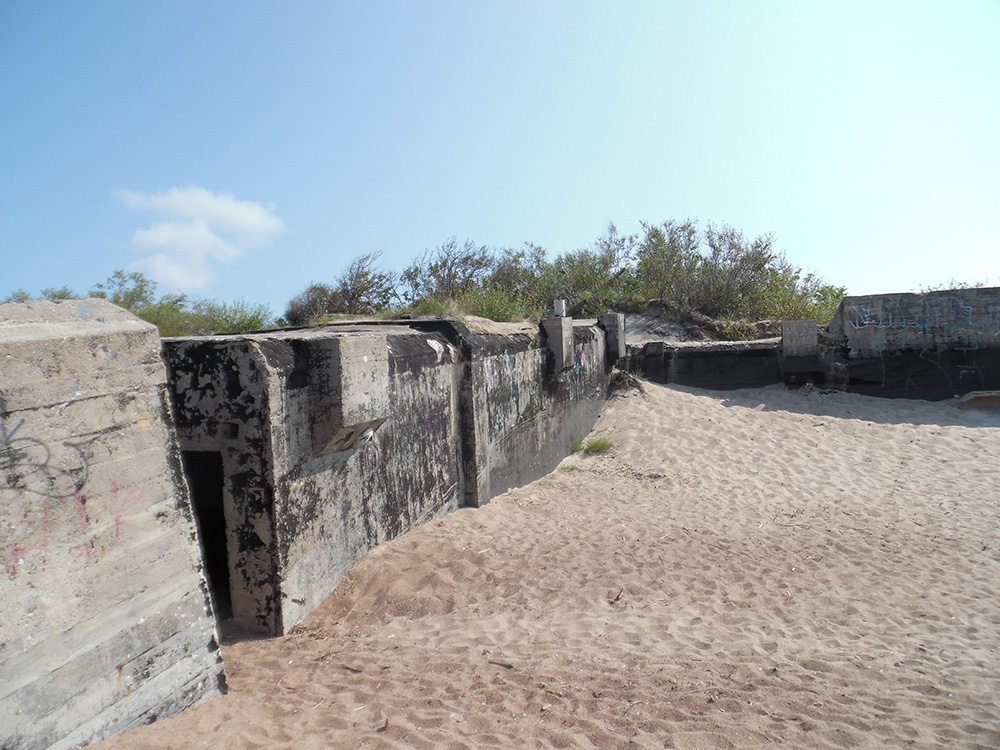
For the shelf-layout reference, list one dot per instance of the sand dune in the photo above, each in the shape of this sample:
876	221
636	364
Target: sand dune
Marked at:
763	567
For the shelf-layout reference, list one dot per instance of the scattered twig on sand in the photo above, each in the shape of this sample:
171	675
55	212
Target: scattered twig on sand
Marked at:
615	600
504	664
342	619
353	670
622	382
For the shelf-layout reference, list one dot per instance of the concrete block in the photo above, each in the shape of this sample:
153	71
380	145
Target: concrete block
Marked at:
613	325
106	620
559	341
981	400
799	338
347	377
950	319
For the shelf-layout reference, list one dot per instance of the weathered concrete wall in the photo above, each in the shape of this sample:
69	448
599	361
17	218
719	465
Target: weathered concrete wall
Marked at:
334	440
106	622
953	319
932	345
222	407
528	404
722	365
394	462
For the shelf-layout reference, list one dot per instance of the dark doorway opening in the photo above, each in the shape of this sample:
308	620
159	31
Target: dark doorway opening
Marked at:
205	478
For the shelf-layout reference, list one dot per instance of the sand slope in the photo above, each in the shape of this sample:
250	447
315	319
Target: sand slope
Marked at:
763	567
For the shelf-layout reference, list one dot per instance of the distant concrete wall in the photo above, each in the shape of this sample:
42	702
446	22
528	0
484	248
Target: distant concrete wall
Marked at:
334	440
105	620
723	365
966	319
932	345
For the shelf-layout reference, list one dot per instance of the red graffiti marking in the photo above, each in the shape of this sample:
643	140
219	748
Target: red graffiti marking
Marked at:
83	522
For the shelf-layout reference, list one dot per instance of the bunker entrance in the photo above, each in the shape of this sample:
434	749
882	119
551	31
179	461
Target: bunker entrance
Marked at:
205	478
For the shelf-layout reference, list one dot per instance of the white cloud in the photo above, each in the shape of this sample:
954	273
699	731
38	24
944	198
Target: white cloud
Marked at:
199	229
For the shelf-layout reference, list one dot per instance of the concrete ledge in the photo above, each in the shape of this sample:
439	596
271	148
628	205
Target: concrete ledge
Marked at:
719	365
981	400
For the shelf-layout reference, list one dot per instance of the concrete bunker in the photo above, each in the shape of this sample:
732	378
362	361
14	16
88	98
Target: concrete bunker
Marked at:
304	449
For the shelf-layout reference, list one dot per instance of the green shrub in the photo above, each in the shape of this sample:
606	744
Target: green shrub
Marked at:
362	289
209	316
592	446
449	271
443	306
499	303
598	445
175	314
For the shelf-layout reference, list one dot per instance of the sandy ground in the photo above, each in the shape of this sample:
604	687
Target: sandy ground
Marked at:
798	569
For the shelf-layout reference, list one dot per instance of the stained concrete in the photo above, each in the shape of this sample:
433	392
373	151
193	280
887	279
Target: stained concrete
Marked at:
613	325
106	621
722	365
333	440
931	346
528	399
559	342
954	319
329	444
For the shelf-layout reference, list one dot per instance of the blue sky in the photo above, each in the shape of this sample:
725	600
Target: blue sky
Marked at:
245	149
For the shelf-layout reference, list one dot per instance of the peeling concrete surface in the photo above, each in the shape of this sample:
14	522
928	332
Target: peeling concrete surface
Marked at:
336	439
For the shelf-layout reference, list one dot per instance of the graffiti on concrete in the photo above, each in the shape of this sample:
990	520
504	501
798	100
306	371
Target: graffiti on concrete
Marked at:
513	400
41	468
49	506
937	343
931	315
